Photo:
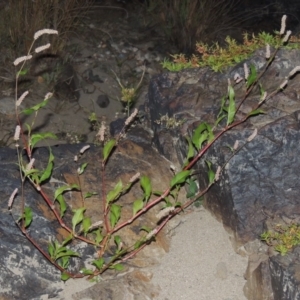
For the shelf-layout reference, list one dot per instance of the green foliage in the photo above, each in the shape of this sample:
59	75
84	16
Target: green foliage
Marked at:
48	171
218	58
146	186
26	217
115	214
108	147
35	108
58	252
180	178
231	106
78	217
192	188
58	196
211	174
115	193
137	206
203	133
282	238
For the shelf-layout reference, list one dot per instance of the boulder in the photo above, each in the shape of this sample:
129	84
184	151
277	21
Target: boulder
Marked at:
259	185
25	273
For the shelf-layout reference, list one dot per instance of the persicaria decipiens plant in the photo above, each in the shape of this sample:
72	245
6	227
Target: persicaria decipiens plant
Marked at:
108	230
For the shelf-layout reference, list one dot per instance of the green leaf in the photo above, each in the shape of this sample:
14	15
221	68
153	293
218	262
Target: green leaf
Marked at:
137	206
22	72
115	193
118	242
34	108
219	119
108	147
115	214
190	153
231	106
64	276
256	112
27	216
86	271
199	135
99	236
78	216
51	250
82	168
138	244
192	188
211	174
62	205
31	173
67	240
180	178
35	138
86	224
64	261
252	76
48	171
146	186
117	267
98	263
65	188
66	252
90	194
145	228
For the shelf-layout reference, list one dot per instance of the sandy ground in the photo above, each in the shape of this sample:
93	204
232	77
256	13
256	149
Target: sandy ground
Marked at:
201	263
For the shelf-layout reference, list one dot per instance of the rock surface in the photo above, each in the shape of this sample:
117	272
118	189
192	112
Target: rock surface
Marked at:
259	185
24	271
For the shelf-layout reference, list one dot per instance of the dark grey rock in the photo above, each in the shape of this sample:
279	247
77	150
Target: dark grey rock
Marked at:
260	183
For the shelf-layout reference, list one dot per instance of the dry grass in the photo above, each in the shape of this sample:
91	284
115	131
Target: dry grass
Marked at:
188	21
23	18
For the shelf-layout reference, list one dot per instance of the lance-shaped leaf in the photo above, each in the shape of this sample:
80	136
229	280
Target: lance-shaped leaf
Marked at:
27	216
115	214
200	135
78	216
82	168
99	236
37	137
118	242
65	188
86	224
34	108
64	252
252	76
86	271
98	263
48	171
180	178
256	112
192	188
115	193
62	204
89	195
190	153
211	174
231	106
117	267
108	147
64	276
146	186
137	206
